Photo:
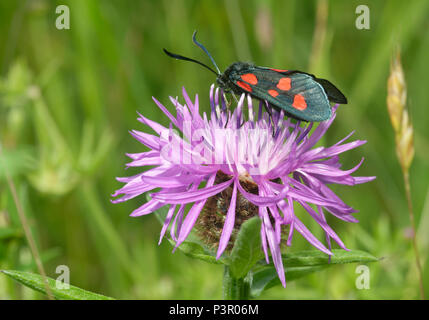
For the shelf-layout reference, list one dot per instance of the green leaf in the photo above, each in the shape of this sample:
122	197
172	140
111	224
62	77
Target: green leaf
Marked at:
267	278
247	248
316	258
35	281
197	251
302	263
9	233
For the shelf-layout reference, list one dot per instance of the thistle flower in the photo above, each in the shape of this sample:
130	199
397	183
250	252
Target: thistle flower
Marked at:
234	168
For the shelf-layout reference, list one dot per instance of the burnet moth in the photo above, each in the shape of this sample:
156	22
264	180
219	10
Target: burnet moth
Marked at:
301	95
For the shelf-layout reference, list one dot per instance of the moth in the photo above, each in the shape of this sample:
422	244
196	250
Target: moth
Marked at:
301	95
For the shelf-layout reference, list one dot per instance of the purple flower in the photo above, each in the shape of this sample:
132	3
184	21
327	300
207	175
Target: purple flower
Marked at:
264	160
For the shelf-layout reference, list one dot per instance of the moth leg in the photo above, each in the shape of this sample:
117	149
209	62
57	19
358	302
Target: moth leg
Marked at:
267	108
228	103
271	118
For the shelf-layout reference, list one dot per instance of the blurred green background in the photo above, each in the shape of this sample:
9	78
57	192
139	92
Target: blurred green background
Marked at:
69	97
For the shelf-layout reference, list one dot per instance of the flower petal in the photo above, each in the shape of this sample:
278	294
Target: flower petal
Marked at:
272	243
192	216
263	200
228	224
147	139
170	182
193	196
147	208
167	222
302	229
323	224
321	169
166	112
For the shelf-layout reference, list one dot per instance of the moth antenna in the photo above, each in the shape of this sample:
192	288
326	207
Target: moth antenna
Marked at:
194	39
179	57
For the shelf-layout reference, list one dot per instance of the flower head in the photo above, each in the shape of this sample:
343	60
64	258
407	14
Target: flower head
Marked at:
396	106
240	167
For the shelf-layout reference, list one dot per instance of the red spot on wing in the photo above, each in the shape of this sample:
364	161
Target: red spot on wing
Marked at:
244	86
284	84
273	93
299	102
279	70
249	78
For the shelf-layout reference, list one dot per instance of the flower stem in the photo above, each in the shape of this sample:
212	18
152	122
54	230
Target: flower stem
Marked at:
233	288
413	226
26	227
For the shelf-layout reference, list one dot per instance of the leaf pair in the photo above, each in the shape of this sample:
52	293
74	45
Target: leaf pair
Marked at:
246	257
244	261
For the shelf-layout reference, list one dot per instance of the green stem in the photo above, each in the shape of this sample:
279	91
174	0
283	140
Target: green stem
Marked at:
233	288
26	227
413	226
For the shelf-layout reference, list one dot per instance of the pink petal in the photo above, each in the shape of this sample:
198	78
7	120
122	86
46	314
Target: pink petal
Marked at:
263	200
301	228
228	224
192	216
147	208
186	197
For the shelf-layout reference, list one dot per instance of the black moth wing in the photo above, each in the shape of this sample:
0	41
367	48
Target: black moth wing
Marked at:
316	105
333	93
